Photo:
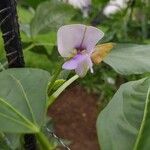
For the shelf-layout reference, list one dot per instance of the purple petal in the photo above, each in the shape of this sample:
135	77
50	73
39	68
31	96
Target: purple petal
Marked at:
70	65
91	38
84	64
73	63
81	63
69	37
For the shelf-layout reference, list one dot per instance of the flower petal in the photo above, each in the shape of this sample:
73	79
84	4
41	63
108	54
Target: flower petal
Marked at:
69	37
91	38
73	63
84	64
70	64
80	3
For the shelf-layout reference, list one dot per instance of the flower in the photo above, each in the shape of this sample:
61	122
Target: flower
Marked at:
78	3
114	6
83	5
76	44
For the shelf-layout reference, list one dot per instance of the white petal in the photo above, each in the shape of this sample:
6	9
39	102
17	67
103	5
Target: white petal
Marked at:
69	37
91	38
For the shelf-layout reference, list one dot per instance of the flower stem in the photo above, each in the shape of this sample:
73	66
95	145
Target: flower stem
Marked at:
54	78
44	141
61	89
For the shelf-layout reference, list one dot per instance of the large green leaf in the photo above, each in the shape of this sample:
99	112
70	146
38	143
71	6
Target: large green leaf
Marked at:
23	95
130	59
50	15
124	124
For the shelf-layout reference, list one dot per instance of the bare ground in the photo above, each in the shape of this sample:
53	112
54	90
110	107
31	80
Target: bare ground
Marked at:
75	113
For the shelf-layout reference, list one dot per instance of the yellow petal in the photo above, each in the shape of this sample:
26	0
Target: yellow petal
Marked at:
101	51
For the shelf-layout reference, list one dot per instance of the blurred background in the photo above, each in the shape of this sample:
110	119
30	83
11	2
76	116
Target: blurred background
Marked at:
123	21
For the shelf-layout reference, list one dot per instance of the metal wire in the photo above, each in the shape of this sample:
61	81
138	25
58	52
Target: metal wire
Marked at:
9	41
5	19
58	139
5	9
7	33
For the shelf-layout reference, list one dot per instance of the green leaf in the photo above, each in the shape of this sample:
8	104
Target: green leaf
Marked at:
124	124
13	141
39	58
49	16
58	83
2	53
47	40
129	59
3	143
25	15
23	95
34	3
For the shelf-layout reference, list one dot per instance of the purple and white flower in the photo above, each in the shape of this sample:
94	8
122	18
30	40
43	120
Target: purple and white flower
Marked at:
76	44
83	5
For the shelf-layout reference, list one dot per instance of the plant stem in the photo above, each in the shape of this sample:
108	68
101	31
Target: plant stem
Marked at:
29	47
36	44
44	141
61	89
54	78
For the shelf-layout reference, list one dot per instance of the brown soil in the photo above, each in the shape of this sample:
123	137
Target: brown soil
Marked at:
75	114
